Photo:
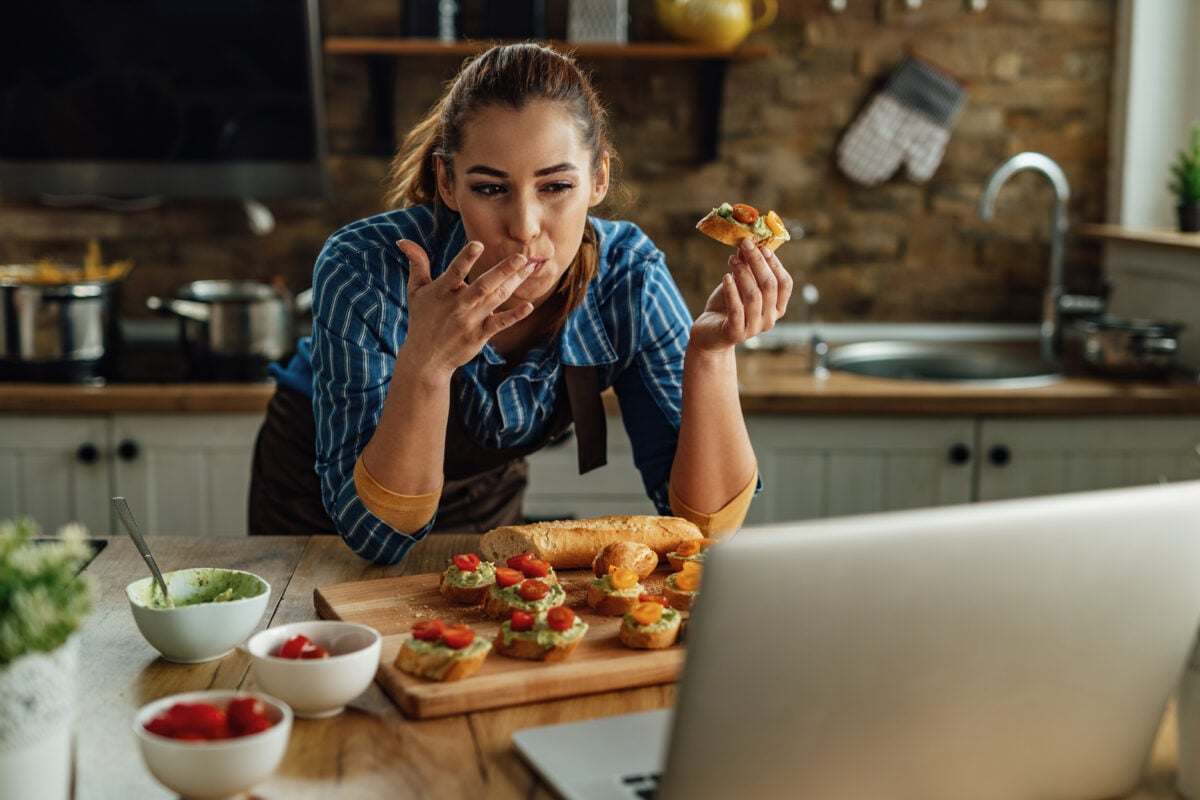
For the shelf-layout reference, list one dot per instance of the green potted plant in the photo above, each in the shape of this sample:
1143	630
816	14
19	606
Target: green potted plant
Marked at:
1185	184
43	602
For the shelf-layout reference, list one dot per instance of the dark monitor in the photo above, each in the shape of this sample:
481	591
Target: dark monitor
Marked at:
161	98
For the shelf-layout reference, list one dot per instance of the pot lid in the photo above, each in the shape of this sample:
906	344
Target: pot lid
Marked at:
228	291
1143	327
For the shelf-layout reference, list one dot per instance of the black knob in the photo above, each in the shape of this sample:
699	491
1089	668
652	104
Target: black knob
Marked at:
87	453
128	450
999	455
959	453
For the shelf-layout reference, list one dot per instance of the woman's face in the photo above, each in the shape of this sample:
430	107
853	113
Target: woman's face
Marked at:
523	183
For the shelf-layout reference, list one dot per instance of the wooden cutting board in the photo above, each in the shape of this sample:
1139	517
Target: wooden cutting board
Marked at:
600	663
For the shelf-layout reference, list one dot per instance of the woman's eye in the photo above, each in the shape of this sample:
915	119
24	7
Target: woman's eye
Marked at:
559	187
487	189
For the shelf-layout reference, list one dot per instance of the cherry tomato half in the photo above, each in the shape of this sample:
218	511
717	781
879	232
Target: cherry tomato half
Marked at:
507	576
775	224
294	646
458	636
247	715
560	618
467	562
314	651
622	577
515	562
194	721
534	589
535	568
522	621
646	613
428	630
745	214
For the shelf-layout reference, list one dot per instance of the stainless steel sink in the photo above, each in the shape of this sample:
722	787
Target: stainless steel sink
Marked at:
1011	365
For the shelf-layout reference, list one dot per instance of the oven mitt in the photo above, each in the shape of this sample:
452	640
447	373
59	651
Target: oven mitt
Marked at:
908	122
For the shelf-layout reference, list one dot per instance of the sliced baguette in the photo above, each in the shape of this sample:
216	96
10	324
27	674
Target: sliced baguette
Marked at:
572	544
463	594
641	637
532	651
443	664
731	232
610	604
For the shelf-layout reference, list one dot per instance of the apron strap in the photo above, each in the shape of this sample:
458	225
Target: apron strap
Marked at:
587	409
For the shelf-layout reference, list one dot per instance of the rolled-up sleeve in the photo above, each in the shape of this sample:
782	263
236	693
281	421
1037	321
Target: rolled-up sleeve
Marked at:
359	321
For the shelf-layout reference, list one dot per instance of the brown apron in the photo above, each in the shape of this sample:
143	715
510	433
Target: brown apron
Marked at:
484	486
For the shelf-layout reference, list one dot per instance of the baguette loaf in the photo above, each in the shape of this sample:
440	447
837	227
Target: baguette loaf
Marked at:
571	544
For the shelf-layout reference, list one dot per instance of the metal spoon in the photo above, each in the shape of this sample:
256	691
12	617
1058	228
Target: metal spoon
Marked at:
135	533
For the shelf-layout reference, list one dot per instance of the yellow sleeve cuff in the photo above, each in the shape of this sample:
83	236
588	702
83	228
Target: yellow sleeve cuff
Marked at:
723	521
405	513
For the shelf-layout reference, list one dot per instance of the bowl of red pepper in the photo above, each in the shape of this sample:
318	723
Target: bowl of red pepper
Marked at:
316	667
213	744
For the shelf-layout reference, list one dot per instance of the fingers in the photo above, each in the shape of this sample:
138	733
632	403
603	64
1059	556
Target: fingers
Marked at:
460	267
763	286
498	283
418	263
505	319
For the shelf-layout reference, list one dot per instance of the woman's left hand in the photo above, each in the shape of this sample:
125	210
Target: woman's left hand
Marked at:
752	296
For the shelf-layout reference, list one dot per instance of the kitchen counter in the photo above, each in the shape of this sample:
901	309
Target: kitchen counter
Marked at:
370	750
771	383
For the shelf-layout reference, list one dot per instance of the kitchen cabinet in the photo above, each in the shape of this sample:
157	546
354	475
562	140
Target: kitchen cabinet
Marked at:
827	466
557	490
182	473
1024	456
822	466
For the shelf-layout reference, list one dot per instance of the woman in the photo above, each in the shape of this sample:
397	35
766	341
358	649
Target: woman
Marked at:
480	320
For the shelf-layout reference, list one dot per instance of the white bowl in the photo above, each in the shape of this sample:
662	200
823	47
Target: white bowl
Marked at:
319	687
201	631
213	769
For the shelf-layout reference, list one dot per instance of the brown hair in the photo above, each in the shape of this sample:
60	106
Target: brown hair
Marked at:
511	75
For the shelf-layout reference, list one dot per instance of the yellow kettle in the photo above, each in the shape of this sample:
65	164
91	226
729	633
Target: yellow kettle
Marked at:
717	23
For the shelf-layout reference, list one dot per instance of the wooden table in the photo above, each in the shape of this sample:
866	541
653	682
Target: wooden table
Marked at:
371	750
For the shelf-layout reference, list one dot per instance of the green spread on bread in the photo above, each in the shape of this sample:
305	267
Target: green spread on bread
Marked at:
543	635
606	585
758	228
669	619
482	575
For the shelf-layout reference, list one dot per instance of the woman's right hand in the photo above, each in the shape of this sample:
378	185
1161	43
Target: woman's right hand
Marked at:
450	320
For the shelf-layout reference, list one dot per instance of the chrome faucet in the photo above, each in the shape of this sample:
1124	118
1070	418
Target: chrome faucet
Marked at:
1055	300
818	348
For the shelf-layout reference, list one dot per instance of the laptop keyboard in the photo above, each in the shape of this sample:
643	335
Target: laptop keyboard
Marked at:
643	786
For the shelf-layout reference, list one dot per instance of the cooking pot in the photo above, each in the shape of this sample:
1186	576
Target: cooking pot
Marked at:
234	327
1135	348
59	332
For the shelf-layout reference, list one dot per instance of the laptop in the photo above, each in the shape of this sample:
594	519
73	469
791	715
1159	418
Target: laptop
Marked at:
1007	650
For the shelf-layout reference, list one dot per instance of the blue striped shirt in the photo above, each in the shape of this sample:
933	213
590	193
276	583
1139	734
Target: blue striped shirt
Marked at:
633	324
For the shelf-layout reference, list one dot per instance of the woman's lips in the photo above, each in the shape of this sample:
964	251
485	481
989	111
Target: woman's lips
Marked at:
538	263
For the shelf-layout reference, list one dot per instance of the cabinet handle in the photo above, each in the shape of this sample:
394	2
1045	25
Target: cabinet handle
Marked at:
87	453
128	450
999	455
959	453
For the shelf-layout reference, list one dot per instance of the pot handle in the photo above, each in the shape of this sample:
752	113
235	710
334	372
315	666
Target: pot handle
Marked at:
188	309
1163	346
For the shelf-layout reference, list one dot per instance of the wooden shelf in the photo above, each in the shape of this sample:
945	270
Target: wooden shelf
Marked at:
380	54
396	46
1160	237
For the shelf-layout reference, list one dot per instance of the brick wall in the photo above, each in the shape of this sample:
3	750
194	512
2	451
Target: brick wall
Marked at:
1038	74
